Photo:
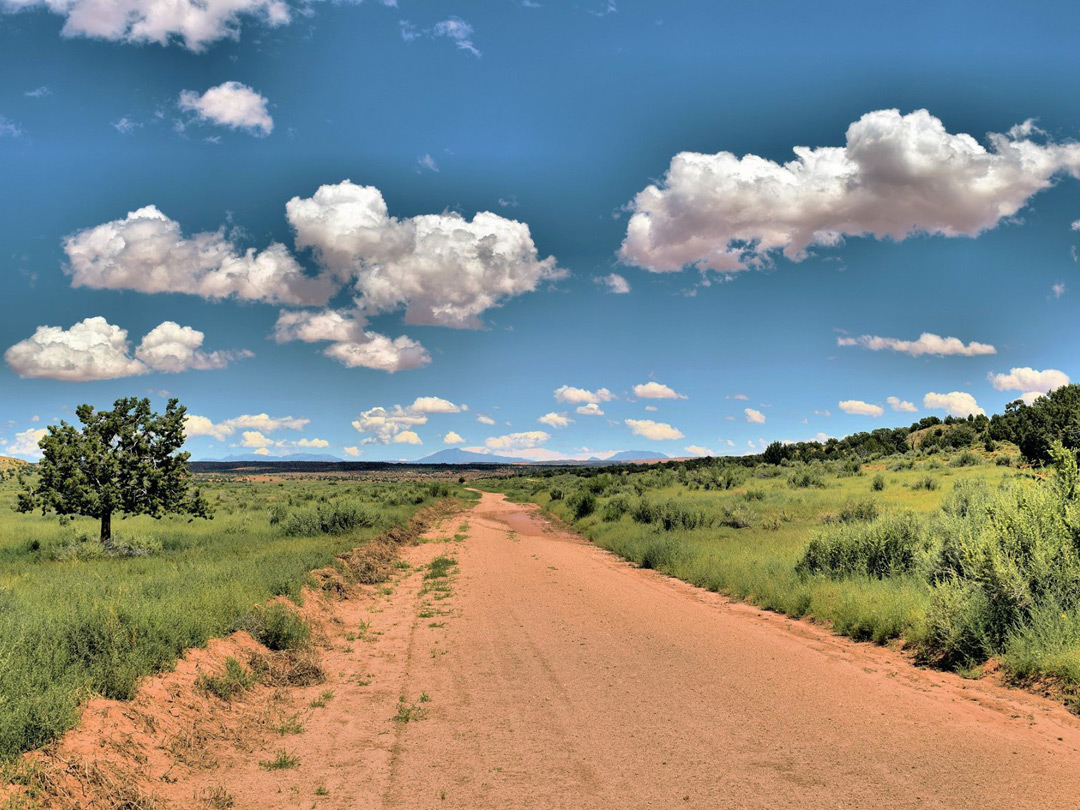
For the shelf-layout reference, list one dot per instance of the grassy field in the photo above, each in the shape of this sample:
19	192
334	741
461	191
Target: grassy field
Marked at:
959	557
77	621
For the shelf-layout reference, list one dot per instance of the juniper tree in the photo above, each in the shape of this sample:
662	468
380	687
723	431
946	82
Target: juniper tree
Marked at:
126	460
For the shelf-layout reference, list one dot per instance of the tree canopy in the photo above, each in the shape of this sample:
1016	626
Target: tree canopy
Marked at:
126	460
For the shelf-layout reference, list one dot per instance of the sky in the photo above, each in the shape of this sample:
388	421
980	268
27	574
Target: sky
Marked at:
540	229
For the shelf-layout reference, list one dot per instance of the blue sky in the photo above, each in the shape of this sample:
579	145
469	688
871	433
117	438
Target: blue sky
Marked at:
148	164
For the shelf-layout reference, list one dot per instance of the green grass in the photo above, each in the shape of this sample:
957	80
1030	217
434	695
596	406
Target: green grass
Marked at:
283	761
76	621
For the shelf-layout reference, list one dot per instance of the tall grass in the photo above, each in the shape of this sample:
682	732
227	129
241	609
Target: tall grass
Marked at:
76	621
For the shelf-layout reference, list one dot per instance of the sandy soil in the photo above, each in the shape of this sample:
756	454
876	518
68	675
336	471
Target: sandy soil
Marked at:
554	675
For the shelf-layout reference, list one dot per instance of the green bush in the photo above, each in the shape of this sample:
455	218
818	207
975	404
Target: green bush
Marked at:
332	518
889	546
276	626
878	484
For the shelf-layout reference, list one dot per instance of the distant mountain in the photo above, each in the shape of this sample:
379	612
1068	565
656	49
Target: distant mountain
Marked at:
636	455
453	455
290	457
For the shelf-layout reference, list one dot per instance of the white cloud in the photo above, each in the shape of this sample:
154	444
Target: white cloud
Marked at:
196	425
125	126
426	161
614	283
555	420
485	420
443	269
743	397
350	343
197	23
231	105
1059	289
147	252
253	438
592	409
897	175
860	408
574	396
655	390
434	405
955	403
903	406
517	441
695	450
822	413
754	416
928	343
94	349
651	408
1030	397
170	347
262	451
657	431
384	424
458	31
26	443
313	443
1028	379
353	451
381	353
407	437
453	438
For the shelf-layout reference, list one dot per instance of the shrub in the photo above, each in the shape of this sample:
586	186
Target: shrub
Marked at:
889	546
927	482
555	494
276	626
966	459
334	518
806	478
738	517
582	504
878	484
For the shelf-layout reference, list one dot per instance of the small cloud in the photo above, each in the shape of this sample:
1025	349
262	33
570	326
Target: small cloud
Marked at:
125	126
230	104
574	396
615	283
928	343
822	413
955	403
555	420
1059	289
656	431
651	408
485	420
510	203
655	390
457	30
9	129
695	450
40	92
859	408
1028	379
900	405
754	417
426	161
407	437
743	397
592	409
354	451
453	438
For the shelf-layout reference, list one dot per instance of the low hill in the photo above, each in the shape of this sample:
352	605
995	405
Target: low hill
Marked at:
291	457
454	455
9	467
636	455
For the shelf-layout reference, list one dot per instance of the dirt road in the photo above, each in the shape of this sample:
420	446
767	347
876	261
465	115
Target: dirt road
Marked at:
572	680
547	673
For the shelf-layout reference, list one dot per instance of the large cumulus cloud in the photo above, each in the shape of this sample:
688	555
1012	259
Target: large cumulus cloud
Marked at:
897	175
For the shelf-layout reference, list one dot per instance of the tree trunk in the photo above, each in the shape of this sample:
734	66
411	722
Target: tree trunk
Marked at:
106	528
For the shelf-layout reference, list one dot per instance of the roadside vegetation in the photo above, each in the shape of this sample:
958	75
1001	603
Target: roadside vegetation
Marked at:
78	618
959	539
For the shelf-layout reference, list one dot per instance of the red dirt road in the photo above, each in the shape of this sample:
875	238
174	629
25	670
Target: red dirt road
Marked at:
546	673
572	680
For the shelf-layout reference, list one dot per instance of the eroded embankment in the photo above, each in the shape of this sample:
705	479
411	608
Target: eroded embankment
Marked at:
238	715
